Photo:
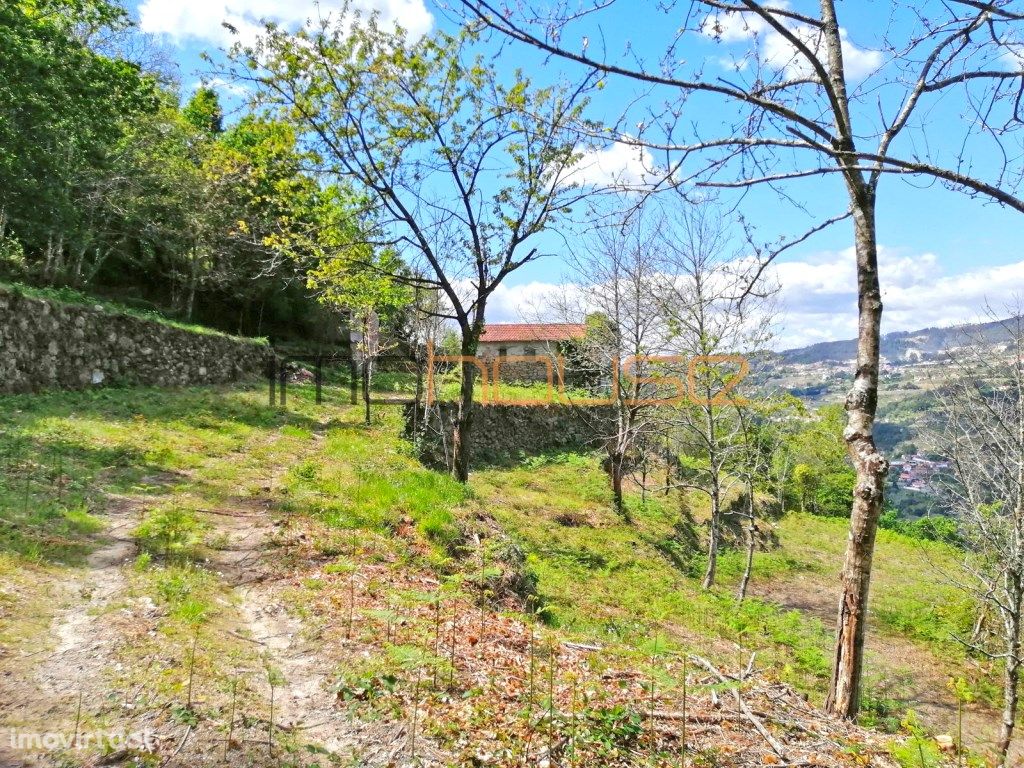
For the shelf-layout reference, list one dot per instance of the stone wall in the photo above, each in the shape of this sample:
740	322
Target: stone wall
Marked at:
501	433
536	368
47	345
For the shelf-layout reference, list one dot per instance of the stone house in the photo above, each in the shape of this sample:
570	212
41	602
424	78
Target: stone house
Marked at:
519	340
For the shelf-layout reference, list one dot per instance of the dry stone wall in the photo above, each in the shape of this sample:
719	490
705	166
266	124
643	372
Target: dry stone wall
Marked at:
47	344
502	433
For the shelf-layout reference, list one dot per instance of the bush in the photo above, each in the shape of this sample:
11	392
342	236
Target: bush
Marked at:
170	531
931	528
834	495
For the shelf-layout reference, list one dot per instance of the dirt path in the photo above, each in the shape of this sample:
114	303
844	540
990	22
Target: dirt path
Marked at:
909	671
75	680
304	704
46	694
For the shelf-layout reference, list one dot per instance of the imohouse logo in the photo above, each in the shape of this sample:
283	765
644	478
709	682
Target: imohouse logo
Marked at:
710	380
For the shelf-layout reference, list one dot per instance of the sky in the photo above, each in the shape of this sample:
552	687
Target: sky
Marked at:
943	256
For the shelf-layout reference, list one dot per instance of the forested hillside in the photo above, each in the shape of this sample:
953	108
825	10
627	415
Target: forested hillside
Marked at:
900	346
111	185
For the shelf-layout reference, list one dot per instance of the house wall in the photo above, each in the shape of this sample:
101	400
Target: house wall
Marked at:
488	350
520	370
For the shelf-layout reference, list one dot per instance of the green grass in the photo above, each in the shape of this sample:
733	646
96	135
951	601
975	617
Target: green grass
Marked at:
557	507
911	592
366	478
400	383
598	577
604	578
61	453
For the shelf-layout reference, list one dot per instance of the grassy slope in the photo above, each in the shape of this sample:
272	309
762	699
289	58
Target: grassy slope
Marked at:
77	298
600	578
640	577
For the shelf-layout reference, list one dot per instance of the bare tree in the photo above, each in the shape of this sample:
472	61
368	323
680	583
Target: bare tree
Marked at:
981	431
713	319
461	171
790	107
616	278
760	440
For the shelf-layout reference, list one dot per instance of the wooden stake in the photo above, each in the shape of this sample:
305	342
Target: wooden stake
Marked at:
78	721
231	721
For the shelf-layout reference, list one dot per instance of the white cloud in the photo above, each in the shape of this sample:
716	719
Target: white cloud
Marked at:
529	302
619	165
778	52
781	54
220	84
733	26
204	20
1012	56
819	295
820	301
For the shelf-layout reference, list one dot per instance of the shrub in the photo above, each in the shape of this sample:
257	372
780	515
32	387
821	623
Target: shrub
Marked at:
170	531
931	528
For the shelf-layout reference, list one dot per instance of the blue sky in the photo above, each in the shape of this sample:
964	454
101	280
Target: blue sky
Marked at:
943	254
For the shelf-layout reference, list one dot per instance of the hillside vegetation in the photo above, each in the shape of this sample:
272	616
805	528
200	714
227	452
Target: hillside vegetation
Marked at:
249	586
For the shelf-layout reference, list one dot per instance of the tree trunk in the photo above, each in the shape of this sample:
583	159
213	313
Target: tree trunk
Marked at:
668	467
54	258
714	534
464	419
1011	680
353	361
193	280
615	472
366	389
353	379
367	362
79	263
751	544
871	467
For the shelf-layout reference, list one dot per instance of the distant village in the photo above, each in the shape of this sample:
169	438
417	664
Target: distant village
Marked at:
917	473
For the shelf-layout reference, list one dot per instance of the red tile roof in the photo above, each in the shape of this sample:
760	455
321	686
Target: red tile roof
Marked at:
501	332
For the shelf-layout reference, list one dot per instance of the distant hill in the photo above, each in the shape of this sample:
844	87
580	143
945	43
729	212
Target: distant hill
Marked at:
900	347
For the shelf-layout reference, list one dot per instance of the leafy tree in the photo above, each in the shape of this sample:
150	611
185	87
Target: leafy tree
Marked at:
460	170
805	482
363	284
204	113
61	106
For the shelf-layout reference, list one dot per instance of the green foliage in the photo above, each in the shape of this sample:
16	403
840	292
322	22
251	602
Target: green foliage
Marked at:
458	166
917	750
615	731
578	460
931	528
821	479
110	187
171	531
881	712
834	493
184	588
62	105
203	112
